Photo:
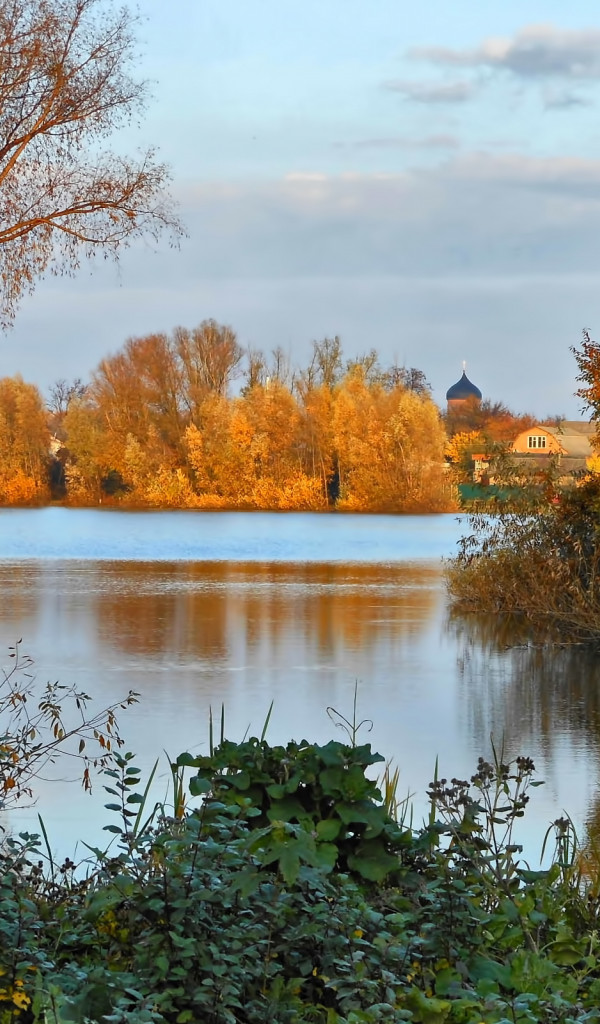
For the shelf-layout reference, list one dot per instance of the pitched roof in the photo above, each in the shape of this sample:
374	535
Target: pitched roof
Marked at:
587	427
574	437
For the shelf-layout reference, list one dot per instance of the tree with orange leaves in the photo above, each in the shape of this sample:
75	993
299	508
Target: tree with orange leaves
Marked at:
588	362
24	443
65	87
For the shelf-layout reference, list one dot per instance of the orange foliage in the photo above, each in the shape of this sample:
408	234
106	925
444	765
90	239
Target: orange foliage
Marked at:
24	443
390	446
463	444
158	426
21	490
169	488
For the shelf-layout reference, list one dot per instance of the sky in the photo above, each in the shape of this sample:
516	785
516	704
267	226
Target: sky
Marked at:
423	179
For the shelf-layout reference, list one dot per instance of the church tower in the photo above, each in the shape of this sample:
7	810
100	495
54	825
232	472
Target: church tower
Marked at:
463	393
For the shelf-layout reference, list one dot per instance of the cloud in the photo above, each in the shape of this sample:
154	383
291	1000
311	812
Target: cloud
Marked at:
574	176
434	92
404	142
303	176
471	214
536	51
564	100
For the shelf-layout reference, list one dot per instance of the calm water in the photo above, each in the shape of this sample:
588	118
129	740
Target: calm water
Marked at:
194	609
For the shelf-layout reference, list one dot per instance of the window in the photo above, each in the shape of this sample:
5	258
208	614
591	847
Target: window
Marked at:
536	441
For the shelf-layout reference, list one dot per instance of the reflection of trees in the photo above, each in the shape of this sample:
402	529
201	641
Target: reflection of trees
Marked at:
529	691
18	587
204	610
152	610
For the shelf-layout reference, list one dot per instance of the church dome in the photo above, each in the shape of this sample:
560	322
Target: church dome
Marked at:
463	390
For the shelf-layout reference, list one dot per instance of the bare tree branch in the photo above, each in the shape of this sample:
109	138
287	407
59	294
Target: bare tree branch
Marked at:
66	86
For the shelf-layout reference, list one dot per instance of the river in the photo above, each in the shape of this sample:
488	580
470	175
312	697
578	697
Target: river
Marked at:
197	609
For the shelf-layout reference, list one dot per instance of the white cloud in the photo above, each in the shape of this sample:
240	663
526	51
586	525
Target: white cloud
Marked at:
303	176
432	92
536	51
405	142
489	213
564	99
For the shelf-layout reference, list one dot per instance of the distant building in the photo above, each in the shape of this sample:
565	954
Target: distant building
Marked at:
569	444
464	392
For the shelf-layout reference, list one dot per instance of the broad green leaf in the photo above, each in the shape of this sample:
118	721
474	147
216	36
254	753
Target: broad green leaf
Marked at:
289	864
199	786
328	829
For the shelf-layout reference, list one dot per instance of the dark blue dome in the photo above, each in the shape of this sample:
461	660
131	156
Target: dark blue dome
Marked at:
462	390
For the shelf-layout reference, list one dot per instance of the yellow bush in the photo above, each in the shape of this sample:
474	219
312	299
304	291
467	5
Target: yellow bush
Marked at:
170	489
303	492
21	489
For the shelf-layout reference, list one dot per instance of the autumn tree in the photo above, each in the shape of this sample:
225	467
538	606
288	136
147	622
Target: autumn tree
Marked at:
24	442
261	369
409	377
325	366
316	435
217	451
89	460
66	86
459	452
131	425
587	358
63	392
256	371
209	356
389	448
273	418
492	420
368	364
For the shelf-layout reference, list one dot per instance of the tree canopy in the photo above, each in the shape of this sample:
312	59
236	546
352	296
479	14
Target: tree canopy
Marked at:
66	86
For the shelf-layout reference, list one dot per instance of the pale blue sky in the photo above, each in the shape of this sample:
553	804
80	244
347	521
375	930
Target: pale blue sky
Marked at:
421	179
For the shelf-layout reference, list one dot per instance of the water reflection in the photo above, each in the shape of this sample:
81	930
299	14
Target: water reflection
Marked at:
534	694
188	635
18	603
210	610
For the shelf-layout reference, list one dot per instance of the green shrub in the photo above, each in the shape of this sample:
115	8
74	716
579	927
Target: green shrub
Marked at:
259	905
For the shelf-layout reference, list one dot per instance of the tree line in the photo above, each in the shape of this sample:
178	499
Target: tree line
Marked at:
158	425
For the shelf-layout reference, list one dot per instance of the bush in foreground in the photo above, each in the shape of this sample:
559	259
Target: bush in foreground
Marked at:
536	560
291	895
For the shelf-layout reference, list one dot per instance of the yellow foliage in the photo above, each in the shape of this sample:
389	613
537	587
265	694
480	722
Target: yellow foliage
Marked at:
21	489
461	444
240	429
15	995
390	446
214	501
24	443
265	494
183	443
196	455
303	492
170	489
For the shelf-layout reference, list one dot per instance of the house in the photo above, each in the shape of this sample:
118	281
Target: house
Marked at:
569	445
